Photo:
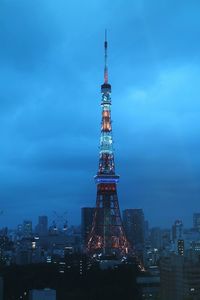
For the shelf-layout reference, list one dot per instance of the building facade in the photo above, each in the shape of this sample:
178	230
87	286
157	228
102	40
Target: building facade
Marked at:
180	277
134	224
42	227
27	229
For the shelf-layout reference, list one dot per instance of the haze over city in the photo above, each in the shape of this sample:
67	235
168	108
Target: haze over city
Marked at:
51	71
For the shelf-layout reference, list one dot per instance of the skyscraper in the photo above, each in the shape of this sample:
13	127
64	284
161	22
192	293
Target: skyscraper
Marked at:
27	228
180	247
177	230
42	227
155	237
134	225
107	235
177	237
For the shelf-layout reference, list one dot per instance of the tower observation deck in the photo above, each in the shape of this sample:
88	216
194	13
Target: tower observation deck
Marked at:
107	235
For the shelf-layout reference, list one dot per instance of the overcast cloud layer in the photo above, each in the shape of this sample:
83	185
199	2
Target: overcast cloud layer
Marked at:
51	58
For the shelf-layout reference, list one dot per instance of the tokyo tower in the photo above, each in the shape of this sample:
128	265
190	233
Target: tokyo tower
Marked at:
107	236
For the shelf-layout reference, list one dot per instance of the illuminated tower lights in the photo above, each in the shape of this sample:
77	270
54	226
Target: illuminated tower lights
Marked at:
107	235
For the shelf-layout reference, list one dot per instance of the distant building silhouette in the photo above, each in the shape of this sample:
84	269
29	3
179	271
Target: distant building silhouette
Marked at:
178	237
165	238
180	246
134	225
42	227
155	237
177	230
27	228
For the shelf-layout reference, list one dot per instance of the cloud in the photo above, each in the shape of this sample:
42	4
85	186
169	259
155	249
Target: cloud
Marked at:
52	67
158	146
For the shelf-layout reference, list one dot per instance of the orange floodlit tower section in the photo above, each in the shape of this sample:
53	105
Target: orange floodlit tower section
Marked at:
107	235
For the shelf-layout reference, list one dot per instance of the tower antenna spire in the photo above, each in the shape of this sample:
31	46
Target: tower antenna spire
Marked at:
105	58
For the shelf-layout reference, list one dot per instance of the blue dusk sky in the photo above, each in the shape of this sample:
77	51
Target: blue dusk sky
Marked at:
51	58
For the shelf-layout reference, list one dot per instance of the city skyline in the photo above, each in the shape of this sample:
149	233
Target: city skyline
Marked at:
50	107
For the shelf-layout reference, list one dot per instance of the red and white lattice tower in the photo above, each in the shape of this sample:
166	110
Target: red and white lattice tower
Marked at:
107	235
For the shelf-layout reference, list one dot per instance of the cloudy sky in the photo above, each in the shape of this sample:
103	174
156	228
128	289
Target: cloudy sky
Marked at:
51	58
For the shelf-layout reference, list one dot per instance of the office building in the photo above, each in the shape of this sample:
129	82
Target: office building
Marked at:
180	247
134	225
42	227
180	277
156	237
177	230
27	228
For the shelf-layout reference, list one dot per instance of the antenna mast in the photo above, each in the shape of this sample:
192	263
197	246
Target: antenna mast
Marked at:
105	58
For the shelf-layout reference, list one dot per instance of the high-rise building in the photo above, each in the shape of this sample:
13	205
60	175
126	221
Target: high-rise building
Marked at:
165	238
1	288
178	237
19	231
155	237
177	230
196	221
180	277
107	235
46	294
27	228
42	227
87	215
146	230
134	225
180	247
